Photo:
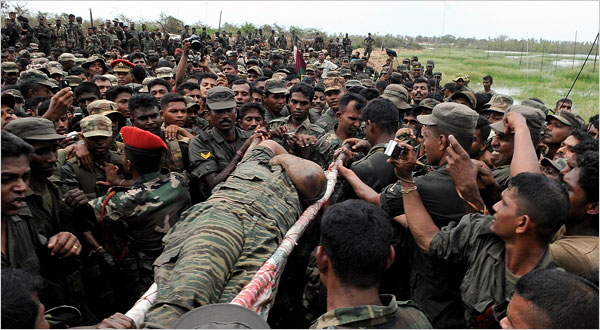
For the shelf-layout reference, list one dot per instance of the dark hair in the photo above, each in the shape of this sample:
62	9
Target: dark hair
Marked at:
14	146
142	100
19	309
382	84
421	80
580	135
241	82
383	113
87	87
43	107
259	79
171	97
159	81
77	70
251	106
232	63
231	78
370	93
306	90
135	55
488	77
481	99
319	89
267	73
587	162
356	236
203	75
584	146
548	210
144	161
558	103
34	102
483	124
99	78
113	91
594	120
187	85
355	89
545	289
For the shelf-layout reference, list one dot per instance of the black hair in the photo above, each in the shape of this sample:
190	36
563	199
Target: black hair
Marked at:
171	97
370	93
113	91
43	107
408	84
594	120
488	77
356	237
355	89
232	63
159	81
241	82
543	288
251	106
319	89
203	75
382	84
549	210
483	124
19	309
565	100
481	99
584	146
34	102
587	162
14	146
144	161
259	79
187	85
87	87
383	113
99	78
421	80
142	100
23	61
76	71
580	135
306	90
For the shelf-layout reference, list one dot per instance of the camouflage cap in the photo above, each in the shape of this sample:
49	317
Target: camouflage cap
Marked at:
135	86
430	62
535	104
334	84
310	67
333	74
102	107
164	72
450	85
398	95
191	104
498	103
24	53
417	65
406	59
16	93
275	86
9	67
279	75
219	97
8	99
38	55
54	64
112	78
96	125
402	68
93	59
559	164
74	81
170	58
568	118
454	117
468	95
79	61
34	46
252	62
437	74
414	58
459	76
35	77
368	83
352	83
256	69
284	70
33	128
345	72
426	105
535	121
55	71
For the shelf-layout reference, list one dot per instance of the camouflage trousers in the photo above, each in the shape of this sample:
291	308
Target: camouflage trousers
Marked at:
209	255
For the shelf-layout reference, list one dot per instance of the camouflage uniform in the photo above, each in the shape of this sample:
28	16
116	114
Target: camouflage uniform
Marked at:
328	120
322	150
44	35
148	44
81	35
305	128
135	221
72	32
369	42
218	245
61	36
93	44
392	315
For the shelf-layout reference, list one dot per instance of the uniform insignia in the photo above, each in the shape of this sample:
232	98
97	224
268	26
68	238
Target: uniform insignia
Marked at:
205	156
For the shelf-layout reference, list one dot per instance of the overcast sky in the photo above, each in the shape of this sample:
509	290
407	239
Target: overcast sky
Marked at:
550	20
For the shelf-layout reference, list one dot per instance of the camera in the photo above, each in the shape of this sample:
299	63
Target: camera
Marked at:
391	52
63	83
196	42
393	149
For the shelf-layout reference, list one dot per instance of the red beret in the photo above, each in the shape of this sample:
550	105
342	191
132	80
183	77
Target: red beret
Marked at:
115	62
143	140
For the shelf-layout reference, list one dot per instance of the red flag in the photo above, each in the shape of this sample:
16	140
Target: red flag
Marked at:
300	64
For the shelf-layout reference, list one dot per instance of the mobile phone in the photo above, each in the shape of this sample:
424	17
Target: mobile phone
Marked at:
393	149
63	83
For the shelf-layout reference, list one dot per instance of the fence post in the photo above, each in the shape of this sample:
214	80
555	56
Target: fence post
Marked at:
542	65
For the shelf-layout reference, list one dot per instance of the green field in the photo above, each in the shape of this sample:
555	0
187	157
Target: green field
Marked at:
522	81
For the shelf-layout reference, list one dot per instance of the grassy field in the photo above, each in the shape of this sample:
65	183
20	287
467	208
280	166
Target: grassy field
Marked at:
522	81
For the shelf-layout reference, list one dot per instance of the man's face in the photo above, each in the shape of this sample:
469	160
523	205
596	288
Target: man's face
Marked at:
147	119
429	67
564	106
8	114
410	120
9	77
257	97
416	73
205	85
252	76
333	98
95	69
242	94
158	91
251	120
122	101
487	84
556	132
507	214
229	69
566	147
174	113
124	78
518	314
461	99
42	90
14	182
260	85
194	93
419	92
274	102
494	116
319	101
431	144
62	125
103	85
299	105
478	144
321	57
577	197
97	145
502	149
223	119
437	78
43	159
220	64
85	99
349	120
139	61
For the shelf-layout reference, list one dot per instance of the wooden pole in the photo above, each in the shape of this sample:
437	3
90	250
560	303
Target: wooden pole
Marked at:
556	62
521	58
542	65
574	50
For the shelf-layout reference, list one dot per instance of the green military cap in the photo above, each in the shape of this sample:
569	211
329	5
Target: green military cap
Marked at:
34	46
279	75
96	125
164	72
79	61
536	104
34	76
334	84
111	78
415	58
406	59
437	74
332	74
568	118
16	93
402	68
145	83
191	104
468	95
535	121
454	117
367	83
450	85
286	71
258	70
9	67
8	99
426	105
66	57
559	164
430	62
135	86
33	128
345	72
310	67
498	103
102	107
24	53
74	81
93	59
218	98
396	76
275	86
352	83
221	316
56	71
459	76
417	65
398	95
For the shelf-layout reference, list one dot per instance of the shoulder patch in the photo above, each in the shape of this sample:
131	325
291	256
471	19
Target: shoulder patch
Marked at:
205	155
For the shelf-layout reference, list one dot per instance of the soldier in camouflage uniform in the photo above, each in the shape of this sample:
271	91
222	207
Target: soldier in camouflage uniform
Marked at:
59	34
93	42
369	42
81	36
135	219
44	35
218	245
72	31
